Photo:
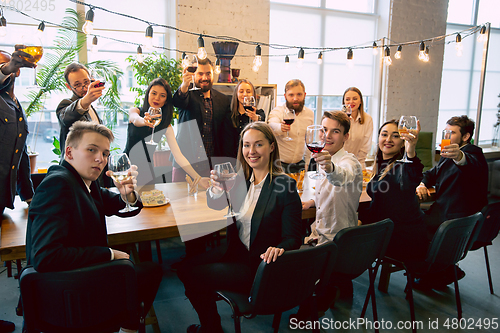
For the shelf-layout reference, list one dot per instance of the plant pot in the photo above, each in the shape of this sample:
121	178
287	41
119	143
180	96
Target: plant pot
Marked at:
32	157
161	158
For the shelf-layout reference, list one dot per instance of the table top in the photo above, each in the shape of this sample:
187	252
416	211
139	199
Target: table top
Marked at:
188	217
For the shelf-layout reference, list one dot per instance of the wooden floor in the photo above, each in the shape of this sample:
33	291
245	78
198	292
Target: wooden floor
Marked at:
435	307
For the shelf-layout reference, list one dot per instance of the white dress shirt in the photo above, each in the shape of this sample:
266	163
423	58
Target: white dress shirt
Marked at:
360	138
292	151
337	198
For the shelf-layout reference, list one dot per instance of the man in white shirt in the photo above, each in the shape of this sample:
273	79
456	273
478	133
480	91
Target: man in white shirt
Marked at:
293	153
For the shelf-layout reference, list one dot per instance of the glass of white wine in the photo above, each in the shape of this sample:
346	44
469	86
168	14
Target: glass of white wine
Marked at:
155	114
120	165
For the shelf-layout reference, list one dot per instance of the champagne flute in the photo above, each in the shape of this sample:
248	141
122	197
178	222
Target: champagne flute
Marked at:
227	177
288	118
155	114
315	142
191	62
249	104
119	165
407	124
33	46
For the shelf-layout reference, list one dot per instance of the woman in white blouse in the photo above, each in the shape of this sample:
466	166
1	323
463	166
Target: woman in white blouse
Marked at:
360	135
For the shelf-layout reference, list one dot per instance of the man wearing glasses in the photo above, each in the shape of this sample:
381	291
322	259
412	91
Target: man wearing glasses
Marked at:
78	107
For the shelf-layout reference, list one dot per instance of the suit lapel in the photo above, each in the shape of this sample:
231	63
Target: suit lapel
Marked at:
260	208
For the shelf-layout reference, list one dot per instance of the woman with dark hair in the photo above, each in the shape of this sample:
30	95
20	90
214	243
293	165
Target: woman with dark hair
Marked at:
268	224
239	116
360	135
158	95
392	190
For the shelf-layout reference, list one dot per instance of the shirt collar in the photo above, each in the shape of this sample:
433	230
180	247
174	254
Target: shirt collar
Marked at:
252	179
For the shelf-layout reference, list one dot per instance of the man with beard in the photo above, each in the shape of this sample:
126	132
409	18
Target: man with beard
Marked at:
202	114
14	163
292	152
461	182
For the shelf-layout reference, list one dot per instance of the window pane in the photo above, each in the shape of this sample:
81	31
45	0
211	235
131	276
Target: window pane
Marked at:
460	11
310	3
488	12
362	6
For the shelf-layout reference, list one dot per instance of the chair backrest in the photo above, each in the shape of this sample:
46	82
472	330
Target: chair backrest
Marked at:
425	149
490	227
358	247
90	299
291	279
450	240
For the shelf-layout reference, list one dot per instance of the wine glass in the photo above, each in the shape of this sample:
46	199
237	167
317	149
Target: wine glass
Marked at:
119	165
407	124
288	118
227	177
191	62
315	142
155	114
248	103
347	109
33	46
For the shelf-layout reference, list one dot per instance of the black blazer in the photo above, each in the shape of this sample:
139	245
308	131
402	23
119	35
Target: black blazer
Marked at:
67	115
66	224
276	221
14	160
191	107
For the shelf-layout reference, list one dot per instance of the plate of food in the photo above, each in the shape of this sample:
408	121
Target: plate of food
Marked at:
154	198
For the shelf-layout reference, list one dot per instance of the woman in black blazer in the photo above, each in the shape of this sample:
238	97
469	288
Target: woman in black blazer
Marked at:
268	224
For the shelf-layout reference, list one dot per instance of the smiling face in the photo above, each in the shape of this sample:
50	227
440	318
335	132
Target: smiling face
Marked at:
244	90
389	142
335	136
295	97
256	150
89	156
203	77
157	96
352	99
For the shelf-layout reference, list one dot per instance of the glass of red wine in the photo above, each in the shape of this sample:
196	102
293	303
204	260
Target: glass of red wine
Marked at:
347	109
249	104
191	62
315	142
227	177
288	118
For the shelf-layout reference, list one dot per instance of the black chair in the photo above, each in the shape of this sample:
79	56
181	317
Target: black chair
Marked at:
487	233
446	249
98	298
361	248
283	284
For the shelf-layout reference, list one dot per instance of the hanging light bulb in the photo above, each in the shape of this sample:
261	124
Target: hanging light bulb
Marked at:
426	54
202	53
3	26
320	58
148	44
300	61
88	27
94	47
41	28
140	57
350	61
459	47
374	49
217	66
387	57
257	61
255	68
482	34
397	55
421	53
287	62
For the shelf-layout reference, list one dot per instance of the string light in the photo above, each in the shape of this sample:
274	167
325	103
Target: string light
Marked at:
320	58
88	27
421	53
94	47
459	47
202	53
148	44
350	61
426	54
482	34
397	55
387	57
257	61
374	48
300	61
287	62
3	25
217	66
140	57
41	28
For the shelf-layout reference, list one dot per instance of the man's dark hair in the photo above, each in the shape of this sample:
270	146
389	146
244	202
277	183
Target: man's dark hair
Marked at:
465	123
339	116
74	67
205	61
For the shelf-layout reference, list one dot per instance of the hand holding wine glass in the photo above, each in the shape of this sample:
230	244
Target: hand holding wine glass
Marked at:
315	142
33	46
123	174
191	62
249	106
154	117
288	119
226	176
407	125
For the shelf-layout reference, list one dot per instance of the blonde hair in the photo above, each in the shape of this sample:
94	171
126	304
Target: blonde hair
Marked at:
274	159
79	128
361	109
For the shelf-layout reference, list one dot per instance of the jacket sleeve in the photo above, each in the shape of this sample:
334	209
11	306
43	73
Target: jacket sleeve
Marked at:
430	176
262	114
411	174
291	218
24	184
181	100
68	113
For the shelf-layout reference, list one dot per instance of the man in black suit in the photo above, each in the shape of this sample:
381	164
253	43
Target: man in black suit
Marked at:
14	161
66	223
